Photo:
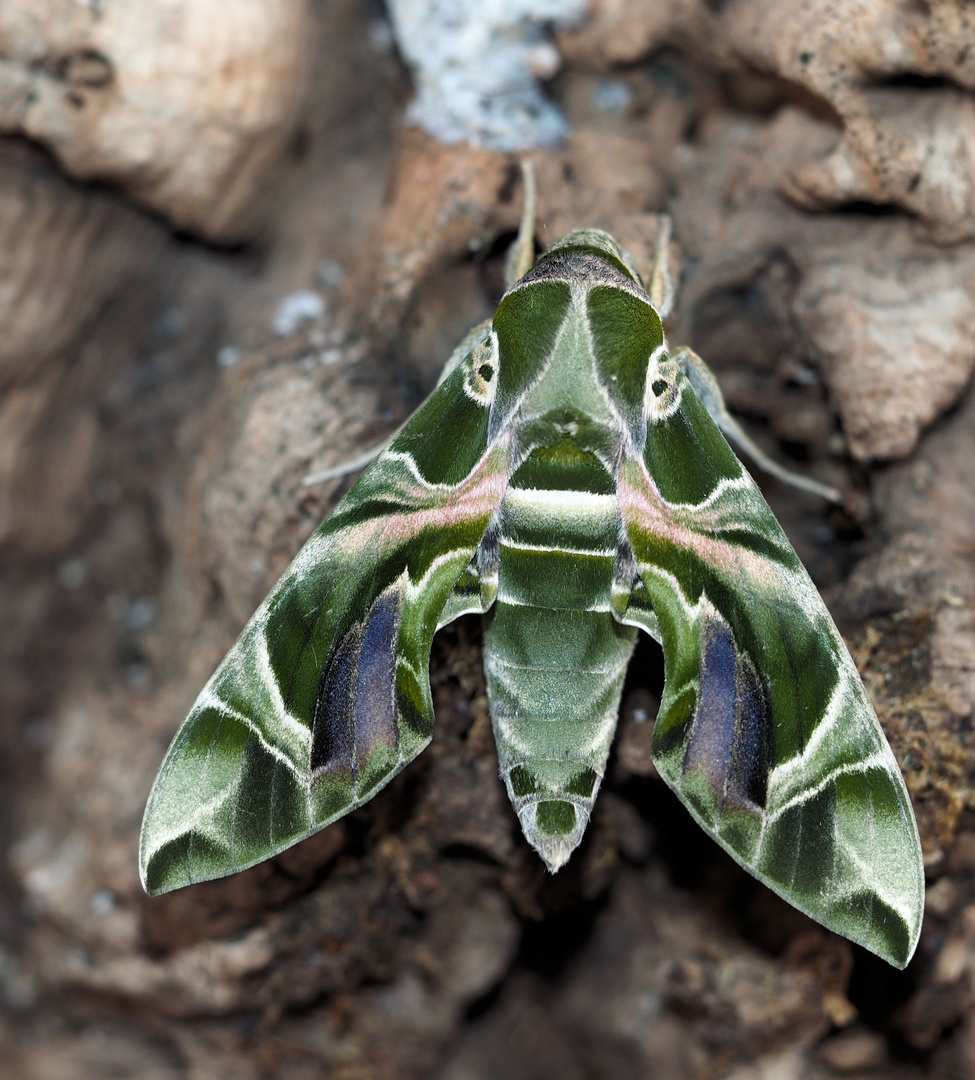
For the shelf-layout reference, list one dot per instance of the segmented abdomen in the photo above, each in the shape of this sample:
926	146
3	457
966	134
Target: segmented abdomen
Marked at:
554	656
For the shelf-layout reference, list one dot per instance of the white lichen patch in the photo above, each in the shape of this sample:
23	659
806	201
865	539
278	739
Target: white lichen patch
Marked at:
476	65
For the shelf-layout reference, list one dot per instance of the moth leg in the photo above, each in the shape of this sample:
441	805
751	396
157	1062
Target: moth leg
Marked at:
360	461
702	379
346	467
660	286
521	254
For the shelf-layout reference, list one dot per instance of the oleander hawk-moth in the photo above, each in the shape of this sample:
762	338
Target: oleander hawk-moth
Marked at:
568	479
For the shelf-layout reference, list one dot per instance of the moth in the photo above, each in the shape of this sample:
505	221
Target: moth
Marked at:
568	479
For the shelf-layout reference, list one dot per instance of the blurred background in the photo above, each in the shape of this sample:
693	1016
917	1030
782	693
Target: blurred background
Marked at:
237	242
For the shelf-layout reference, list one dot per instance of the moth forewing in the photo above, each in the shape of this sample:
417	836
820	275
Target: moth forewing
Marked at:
765	731
325	696
565	479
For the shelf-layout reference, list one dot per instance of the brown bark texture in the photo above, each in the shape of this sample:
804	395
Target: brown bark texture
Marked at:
161	398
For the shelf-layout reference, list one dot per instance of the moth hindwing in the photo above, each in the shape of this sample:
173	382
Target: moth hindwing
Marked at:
566	480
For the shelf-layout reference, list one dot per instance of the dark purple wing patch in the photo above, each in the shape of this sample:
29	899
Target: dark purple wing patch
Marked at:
730	733
355	712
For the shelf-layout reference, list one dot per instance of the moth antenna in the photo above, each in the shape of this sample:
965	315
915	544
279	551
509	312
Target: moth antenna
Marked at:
521	254
661	284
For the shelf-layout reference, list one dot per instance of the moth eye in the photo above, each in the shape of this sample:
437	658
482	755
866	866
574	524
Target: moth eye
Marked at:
659	386
486	372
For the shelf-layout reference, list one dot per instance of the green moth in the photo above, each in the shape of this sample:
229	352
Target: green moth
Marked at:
568	478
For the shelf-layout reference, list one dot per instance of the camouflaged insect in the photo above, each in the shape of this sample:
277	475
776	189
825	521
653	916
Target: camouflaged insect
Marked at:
567	479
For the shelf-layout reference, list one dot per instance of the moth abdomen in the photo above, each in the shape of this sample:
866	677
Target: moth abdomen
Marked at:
555	656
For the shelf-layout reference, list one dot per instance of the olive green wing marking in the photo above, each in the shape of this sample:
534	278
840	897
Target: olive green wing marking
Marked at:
326	696
765	731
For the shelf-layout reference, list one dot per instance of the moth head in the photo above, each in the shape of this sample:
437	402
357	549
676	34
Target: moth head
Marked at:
600	243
